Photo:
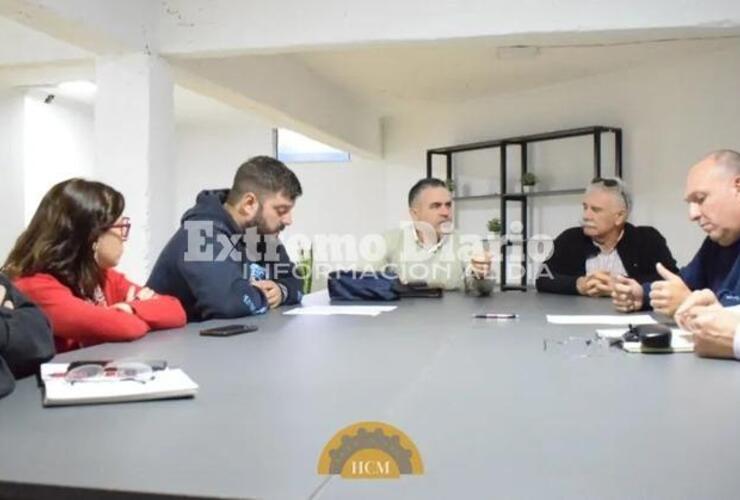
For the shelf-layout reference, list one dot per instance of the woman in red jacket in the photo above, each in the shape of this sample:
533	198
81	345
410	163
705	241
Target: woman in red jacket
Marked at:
64	262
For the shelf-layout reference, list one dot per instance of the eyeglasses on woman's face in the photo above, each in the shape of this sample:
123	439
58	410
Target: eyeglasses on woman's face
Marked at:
124	226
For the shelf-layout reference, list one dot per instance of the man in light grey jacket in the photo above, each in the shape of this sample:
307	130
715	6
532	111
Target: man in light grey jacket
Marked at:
427	249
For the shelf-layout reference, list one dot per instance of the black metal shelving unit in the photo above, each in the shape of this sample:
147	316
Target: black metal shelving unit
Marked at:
507	197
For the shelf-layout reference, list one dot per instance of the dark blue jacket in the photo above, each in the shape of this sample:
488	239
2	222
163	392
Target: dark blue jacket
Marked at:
25	338
207	266
717	268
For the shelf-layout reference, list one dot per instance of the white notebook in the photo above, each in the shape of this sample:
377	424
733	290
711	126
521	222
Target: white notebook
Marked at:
168	383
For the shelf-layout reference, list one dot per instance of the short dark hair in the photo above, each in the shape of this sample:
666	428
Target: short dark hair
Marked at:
264	175
427	182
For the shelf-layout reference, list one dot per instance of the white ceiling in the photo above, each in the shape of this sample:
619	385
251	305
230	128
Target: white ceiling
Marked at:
20	45
388	78
194	108
457	71
332	70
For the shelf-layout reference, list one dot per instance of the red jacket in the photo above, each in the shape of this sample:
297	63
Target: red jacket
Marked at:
78	323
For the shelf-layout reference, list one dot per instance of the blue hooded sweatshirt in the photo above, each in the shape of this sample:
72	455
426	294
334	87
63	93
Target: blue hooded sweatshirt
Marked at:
208	266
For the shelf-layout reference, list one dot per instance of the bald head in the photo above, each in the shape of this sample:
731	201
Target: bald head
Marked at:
713	195
724	163
726	159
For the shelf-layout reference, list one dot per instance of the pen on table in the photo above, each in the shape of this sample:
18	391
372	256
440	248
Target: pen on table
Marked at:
496	315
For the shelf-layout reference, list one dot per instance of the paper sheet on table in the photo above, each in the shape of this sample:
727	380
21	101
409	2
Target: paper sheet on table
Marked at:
681	341
606	319
339	310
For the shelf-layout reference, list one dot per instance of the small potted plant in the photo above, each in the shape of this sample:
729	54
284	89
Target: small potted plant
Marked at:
304	269
450	185
528	182
494	234
494	225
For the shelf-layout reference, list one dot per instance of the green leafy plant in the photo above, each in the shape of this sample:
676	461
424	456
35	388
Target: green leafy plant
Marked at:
450	185
494	225
529	179
304	269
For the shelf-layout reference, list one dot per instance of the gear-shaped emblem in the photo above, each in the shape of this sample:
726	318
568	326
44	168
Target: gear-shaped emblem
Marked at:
365	440
370	450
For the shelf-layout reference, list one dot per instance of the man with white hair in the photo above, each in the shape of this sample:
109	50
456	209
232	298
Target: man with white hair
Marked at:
586	260
713	196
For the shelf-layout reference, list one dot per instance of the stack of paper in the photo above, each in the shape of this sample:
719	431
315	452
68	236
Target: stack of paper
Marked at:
605	319
166	384
339	310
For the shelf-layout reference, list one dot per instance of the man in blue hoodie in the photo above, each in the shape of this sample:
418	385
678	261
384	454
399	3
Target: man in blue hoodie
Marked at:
226	260
713	196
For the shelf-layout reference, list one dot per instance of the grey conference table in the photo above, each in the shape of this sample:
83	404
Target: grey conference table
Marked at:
492	413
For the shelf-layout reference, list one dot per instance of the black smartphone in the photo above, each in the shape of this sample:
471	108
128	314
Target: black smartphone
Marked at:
228	330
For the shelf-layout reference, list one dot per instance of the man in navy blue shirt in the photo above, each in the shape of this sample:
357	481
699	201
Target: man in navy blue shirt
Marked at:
226	260
713	195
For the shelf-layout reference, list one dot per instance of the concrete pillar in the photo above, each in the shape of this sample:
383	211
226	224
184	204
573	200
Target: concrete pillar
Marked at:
134	150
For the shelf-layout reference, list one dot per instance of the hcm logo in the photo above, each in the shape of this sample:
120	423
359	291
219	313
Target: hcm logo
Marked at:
370	450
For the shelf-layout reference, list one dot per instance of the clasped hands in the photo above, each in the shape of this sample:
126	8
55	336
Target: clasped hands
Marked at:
712	325
627	294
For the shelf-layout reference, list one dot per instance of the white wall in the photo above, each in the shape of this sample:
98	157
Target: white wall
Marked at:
341	204
40	145
672	114
208	154
11	166
57	145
